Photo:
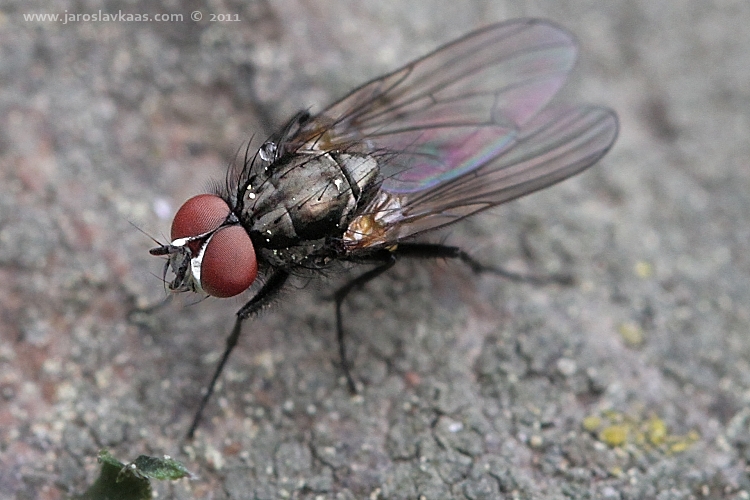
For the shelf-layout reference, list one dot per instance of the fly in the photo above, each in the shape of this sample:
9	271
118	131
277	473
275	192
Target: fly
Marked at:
461	130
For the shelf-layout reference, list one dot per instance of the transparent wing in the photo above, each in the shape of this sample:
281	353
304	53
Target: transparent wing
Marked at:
451	111
462	129
555	145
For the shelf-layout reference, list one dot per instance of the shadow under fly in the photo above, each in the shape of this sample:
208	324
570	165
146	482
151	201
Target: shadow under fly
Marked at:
458	131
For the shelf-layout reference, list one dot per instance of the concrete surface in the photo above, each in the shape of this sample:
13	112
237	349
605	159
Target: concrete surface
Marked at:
472	388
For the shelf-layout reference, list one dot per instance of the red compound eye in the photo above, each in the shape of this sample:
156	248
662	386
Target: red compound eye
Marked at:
199	215
229	266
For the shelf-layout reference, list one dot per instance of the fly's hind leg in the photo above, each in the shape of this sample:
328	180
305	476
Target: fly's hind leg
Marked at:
437	251
387	258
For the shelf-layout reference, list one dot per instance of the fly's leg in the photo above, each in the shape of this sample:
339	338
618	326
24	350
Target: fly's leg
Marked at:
264	296
437	251
386	260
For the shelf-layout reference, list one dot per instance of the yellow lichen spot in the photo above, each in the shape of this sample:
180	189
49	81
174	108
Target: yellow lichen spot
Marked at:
679	446
616	429
616	471
613	416
656	430
631	334
591	423
644	269
614	435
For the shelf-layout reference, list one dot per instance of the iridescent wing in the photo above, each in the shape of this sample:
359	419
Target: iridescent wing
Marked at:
462	129
449	112
555	145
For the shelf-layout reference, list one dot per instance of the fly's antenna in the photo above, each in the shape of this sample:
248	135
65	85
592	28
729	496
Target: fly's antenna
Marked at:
159	243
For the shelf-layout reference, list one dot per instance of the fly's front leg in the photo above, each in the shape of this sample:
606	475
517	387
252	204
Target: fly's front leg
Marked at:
386	260
141	315
265	295
437	251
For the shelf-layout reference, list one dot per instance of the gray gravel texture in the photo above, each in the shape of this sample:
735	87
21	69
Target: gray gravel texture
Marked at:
471	387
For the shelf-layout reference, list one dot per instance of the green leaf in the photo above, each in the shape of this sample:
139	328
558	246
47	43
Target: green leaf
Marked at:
118	481
160	468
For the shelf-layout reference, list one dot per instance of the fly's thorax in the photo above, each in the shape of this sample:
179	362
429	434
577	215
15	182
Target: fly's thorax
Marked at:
307	197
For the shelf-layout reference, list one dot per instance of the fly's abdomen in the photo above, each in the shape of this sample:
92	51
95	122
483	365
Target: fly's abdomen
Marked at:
308	197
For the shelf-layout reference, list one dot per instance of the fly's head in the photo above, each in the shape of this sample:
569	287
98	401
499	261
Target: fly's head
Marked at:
210	252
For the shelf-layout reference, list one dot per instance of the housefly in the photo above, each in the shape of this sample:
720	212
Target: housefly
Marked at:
461	130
